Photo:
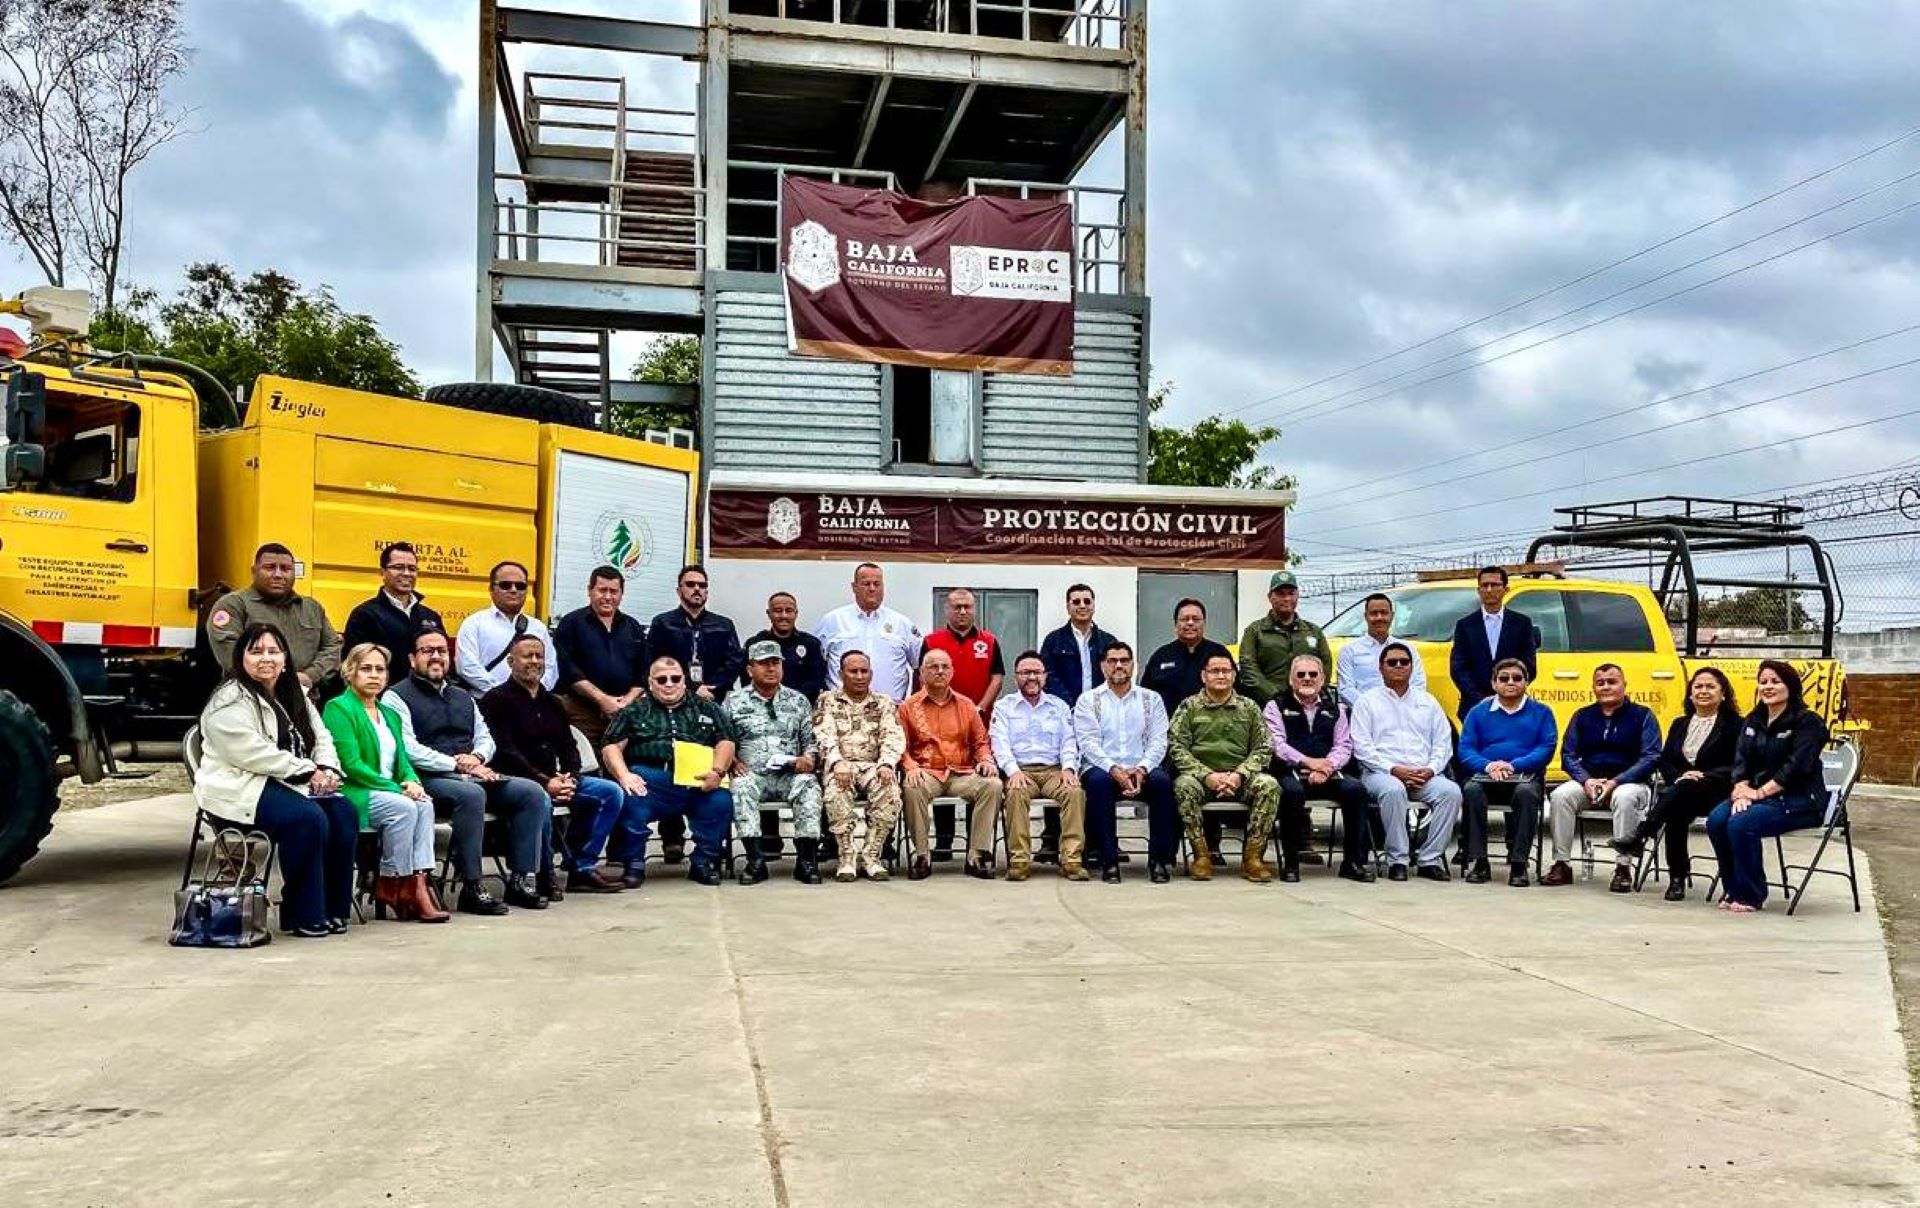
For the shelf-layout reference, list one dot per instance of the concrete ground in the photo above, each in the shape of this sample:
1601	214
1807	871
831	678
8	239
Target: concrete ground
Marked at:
949	1043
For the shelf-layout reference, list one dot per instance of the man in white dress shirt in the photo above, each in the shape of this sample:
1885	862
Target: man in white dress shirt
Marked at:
1121	730
480	655
1357	669
1403	742
889	639
1033	742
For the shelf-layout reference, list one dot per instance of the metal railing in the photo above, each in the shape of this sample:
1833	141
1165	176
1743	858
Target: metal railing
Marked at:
753	206
643	219
1100	24
1099	227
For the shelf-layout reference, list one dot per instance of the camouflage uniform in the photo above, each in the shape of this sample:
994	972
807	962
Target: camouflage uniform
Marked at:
766	729
1227	737
865	735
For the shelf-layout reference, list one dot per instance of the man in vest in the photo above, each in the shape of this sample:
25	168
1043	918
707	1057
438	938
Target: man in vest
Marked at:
447	741
978	671
1313	748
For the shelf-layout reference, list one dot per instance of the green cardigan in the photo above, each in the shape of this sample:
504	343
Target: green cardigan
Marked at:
359	750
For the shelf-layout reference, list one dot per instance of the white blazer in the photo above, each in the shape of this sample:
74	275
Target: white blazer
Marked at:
238	754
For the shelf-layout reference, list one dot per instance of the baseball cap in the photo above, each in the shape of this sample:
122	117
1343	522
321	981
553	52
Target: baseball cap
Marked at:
762	651
1283	578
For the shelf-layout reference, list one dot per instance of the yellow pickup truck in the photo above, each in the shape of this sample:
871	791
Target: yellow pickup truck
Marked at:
1654	635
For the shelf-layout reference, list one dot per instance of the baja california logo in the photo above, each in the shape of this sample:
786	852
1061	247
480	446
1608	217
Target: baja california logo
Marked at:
813	257
969	271
783	518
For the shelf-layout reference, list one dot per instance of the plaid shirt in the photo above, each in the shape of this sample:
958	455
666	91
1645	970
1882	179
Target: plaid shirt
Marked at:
649	729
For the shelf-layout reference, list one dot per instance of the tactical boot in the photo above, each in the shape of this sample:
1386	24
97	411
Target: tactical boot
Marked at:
755	869
806	862
1073	870
849	859
1253	868
1202	867
1018	870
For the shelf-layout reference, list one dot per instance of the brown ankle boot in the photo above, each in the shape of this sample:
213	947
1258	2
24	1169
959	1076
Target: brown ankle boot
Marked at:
425	906
1253	868
1202	867
395	894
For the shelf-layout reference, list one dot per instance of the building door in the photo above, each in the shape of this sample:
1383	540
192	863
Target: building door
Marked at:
1011	614
1161	590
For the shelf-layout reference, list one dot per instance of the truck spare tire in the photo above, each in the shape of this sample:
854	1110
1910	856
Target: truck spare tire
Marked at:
520	402
28	784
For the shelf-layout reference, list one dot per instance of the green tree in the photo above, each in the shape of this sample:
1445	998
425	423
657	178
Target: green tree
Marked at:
621	546
238	329
1772	608
1214	452
668	360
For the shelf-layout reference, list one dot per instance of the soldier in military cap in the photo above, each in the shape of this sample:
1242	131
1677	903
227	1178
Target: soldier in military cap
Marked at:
776	758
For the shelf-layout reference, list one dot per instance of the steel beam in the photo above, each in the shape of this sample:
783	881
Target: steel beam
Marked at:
601	33
950	126
901	52
870	121
488	101
1133	268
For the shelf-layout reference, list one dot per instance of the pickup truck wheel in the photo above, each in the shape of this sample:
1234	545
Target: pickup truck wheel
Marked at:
28	784
520	402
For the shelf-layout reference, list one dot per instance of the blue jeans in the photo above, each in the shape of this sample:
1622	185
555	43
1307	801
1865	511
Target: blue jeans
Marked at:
315	837
1736	840
1103	830
708	815
597	807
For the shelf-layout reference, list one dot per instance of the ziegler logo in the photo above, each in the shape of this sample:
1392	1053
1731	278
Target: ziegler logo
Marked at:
280	402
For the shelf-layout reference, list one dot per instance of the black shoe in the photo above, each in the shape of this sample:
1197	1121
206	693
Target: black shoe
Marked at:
311	931
476	900
755	869
1676	890
1517	876
1159	874
336	926
1110	874
673	853
522	893
1362	873
919	870
1434	872
1290	872
1479	874
634	877
589	880
806	865
981	866
1047	855
1397	872
702	873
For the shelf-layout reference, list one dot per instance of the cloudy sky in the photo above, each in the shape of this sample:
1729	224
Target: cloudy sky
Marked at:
1330	183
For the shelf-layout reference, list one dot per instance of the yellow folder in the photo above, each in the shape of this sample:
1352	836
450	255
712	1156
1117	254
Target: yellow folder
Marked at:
691	761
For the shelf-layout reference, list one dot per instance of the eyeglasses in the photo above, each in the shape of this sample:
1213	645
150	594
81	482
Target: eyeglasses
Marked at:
666	679
402	568
1396	662
1509	678
510	587
1029	672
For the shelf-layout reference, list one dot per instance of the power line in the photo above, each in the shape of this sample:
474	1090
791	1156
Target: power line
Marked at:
1674	465
1667	427
1585	277
1319	409
1585	423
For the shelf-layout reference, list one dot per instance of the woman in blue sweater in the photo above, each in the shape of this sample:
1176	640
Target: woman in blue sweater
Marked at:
1505	743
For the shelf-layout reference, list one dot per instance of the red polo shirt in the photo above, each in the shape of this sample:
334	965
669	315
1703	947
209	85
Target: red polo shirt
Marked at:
976	659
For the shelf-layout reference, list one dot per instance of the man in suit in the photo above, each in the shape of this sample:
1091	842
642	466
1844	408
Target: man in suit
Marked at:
1485	636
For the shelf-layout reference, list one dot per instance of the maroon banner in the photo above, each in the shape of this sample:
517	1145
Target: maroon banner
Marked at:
978	283
769	524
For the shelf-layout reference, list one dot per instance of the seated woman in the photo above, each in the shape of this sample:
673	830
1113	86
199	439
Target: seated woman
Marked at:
268	764
383	787
1778	785
1696	765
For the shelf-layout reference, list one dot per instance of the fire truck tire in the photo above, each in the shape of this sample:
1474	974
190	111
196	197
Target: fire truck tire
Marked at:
28	784
520	402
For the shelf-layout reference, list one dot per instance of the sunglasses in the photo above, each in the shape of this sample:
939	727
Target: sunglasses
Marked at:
510	586
1509	679
694	586
1396	662
1306	675
666	679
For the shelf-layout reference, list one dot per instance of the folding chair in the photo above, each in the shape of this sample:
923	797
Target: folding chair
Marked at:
203	822
1840	765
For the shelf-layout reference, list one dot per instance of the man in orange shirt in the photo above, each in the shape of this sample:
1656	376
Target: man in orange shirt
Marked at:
948	755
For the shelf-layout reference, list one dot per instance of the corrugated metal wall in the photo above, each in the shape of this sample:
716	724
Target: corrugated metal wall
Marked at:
772	411
1086	426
